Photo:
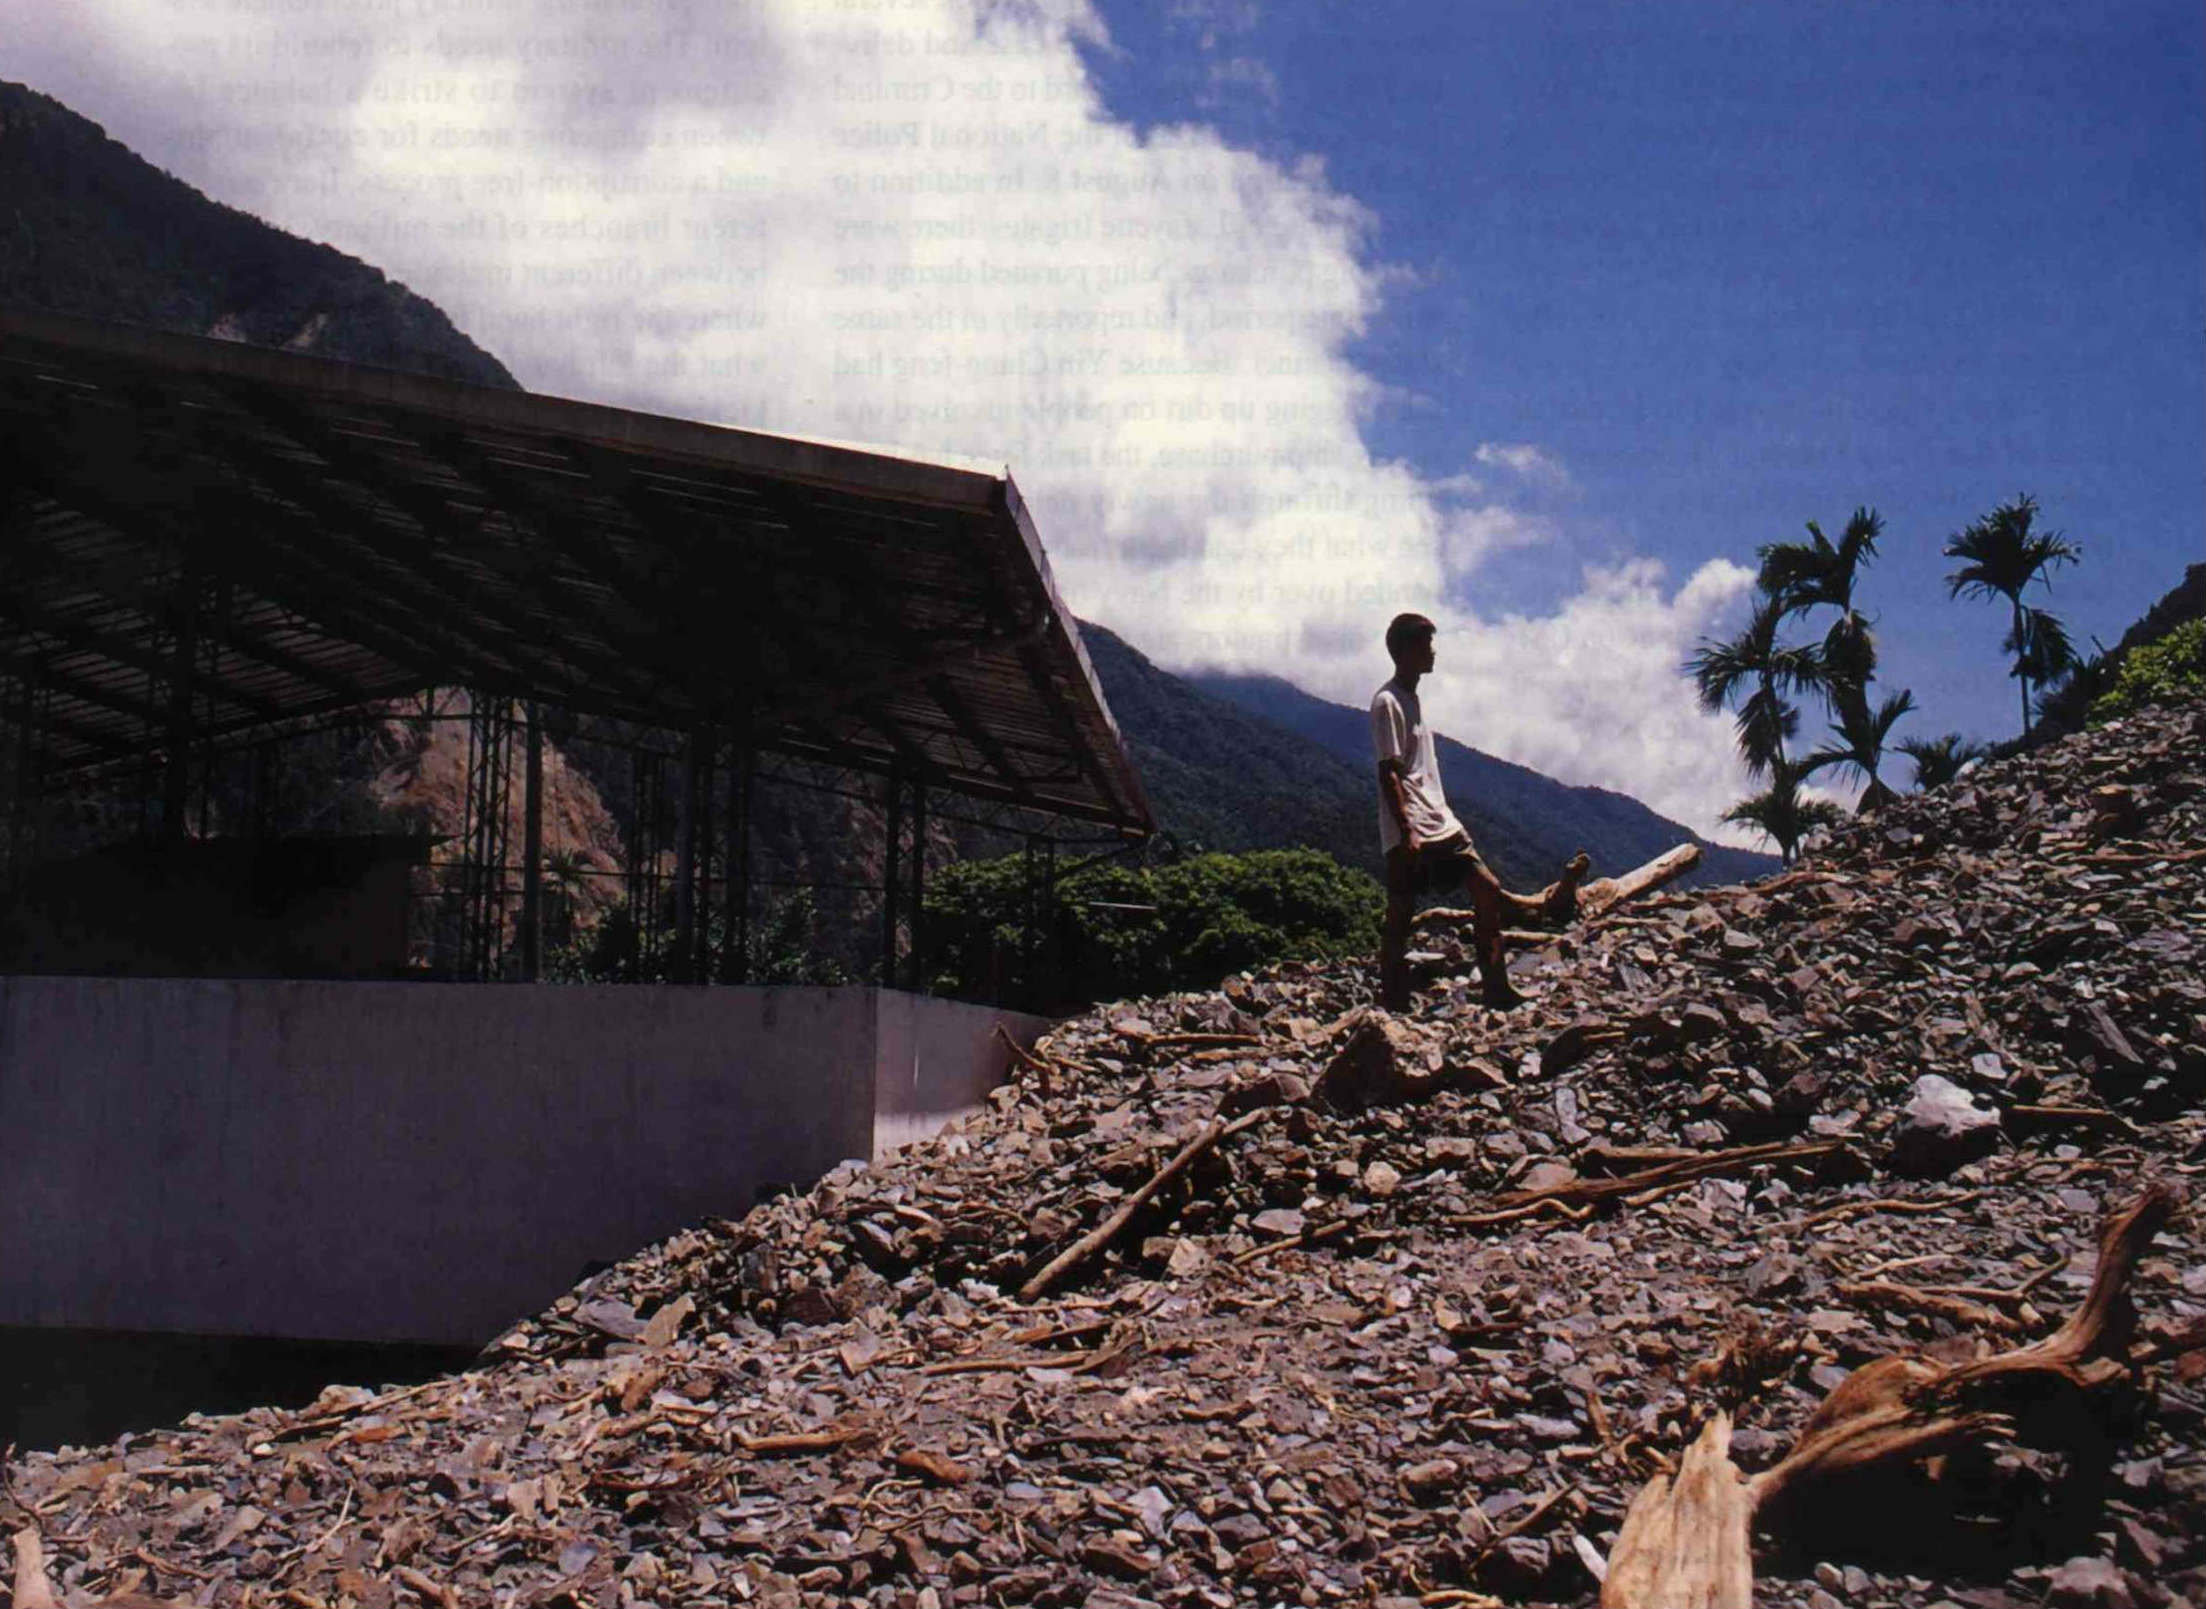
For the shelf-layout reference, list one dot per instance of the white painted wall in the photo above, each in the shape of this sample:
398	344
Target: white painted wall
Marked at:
423	1162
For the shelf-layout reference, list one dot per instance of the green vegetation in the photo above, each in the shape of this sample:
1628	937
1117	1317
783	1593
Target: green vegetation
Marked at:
1938	760
1758	675
783	947
95	231
2004	555
1120	931
1782	813
2172	667
1753	672
1220	777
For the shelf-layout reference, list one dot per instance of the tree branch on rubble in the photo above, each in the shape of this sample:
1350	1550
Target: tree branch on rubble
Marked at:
1112	1227
1685	1170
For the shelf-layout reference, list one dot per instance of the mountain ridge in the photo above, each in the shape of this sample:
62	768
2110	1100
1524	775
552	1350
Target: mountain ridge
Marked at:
91	229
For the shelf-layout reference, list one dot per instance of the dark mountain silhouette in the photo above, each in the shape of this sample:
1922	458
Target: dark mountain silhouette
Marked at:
91	229
1221	777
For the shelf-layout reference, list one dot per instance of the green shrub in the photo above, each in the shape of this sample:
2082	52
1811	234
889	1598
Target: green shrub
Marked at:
783	947
1115	931
2172	667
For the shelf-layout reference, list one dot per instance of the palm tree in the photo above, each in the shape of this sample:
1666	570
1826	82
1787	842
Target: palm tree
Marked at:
1938	760
1782	812
1754	670
1862	735
565	876
2067	701
2002	556
1821	573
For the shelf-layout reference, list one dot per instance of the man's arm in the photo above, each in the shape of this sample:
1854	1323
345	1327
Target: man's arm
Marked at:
1390	744
1391	771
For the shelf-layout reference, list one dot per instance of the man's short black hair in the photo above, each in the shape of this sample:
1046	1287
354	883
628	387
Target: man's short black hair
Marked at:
1403	630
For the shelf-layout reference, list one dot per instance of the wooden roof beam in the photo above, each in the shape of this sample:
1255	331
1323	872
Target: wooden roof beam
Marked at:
87	640
951	704
420	561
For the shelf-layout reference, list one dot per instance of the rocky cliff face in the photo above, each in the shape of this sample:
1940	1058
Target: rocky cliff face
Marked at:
416	778
1259	1295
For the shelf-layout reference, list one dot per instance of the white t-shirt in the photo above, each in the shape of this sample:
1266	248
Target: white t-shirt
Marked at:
1399	732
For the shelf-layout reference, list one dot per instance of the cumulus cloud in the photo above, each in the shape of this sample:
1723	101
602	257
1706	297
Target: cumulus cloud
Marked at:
917	224
1525	461
1469	536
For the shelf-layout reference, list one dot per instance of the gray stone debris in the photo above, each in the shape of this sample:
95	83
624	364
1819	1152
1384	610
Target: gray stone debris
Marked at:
1470	1260
1941	1129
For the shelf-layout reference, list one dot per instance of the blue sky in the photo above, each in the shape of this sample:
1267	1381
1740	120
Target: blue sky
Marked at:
1539	318
1740	265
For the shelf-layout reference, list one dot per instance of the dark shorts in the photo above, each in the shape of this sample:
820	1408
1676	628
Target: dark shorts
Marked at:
1445	866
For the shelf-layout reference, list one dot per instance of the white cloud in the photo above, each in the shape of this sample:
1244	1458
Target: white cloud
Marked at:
1469	536
917	224
1592	693
1239	79
1210	19
1528	463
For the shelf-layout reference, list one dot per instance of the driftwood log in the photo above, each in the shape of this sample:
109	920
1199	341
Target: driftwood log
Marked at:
1550	910
1570	898
1685	1540
1605	892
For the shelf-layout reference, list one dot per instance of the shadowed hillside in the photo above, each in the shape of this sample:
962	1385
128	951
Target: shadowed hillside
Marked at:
1222	777
90	229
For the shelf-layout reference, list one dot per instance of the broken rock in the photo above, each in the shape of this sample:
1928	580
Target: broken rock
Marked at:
1385	1061
1941	1129
2089	1583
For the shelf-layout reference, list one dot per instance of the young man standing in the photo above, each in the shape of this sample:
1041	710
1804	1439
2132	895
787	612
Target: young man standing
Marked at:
1426	847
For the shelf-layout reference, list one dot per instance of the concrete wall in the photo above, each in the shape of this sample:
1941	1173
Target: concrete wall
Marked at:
422	1162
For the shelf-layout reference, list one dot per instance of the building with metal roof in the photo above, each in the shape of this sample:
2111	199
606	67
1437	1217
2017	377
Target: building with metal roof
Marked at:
204	543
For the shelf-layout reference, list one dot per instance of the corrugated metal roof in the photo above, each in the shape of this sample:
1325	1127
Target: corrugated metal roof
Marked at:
317	535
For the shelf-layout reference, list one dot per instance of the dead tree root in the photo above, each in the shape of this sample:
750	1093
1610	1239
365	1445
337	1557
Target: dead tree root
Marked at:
1685	1541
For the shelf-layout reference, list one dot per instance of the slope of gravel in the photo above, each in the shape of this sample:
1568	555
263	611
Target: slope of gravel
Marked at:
1364	1349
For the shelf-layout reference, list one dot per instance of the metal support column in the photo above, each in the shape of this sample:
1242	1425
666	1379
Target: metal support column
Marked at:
532	849
735	956
1045	988
919	887
682	964
176	779
264	800
891	875
704	761
647	771
1029	904
484	839
22	781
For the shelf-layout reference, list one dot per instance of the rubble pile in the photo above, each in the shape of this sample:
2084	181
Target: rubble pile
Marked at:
1264	1295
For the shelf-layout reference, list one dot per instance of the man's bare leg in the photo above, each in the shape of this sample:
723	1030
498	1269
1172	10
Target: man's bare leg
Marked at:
1493	954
